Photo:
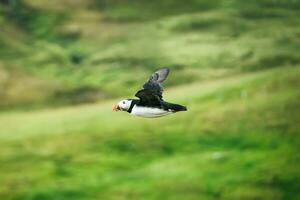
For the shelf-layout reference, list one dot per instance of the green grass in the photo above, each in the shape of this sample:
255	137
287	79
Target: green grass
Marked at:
239	140
96	47
234	64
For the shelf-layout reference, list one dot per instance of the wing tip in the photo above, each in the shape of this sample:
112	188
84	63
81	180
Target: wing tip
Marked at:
162	74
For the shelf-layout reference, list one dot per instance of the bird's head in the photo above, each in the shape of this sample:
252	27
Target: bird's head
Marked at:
123	105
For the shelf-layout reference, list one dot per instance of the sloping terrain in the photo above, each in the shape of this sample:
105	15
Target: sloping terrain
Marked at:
84	51
234	64
239	140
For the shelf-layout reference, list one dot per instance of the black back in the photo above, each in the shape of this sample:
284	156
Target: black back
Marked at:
151	94
149	98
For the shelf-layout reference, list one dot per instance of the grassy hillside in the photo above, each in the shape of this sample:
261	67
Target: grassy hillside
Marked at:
239	140
234	64
86	51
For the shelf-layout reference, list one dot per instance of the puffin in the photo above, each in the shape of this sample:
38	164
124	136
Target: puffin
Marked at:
150	103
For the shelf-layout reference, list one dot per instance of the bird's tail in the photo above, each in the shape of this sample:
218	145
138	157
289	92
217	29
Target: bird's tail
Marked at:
176	107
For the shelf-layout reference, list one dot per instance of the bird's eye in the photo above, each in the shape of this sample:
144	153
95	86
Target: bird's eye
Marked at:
123	102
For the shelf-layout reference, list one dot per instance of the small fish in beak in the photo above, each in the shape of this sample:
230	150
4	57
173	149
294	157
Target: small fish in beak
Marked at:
116	108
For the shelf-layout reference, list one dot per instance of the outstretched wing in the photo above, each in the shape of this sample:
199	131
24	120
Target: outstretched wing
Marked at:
148	98
160	75
155	80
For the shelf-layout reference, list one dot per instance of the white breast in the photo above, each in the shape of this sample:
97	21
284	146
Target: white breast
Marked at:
148	112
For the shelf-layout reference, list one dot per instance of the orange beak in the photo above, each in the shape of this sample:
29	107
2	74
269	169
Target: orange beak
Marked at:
116	108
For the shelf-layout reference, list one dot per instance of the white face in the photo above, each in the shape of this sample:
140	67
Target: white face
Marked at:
124	105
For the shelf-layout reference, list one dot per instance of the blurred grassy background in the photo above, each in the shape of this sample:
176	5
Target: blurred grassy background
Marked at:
235	64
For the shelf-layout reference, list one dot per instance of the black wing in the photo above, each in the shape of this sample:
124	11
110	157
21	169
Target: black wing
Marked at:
155	80
148	98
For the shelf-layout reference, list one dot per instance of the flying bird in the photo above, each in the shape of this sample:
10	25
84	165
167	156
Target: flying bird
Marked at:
150	103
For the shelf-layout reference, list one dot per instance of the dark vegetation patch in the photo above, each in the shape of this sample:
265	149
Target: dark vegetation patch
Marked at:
54	193
40	24
77	57
197	25
141	10
280	60
272	61
254	14
284	4
226	25
28	93
79	95
266	9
